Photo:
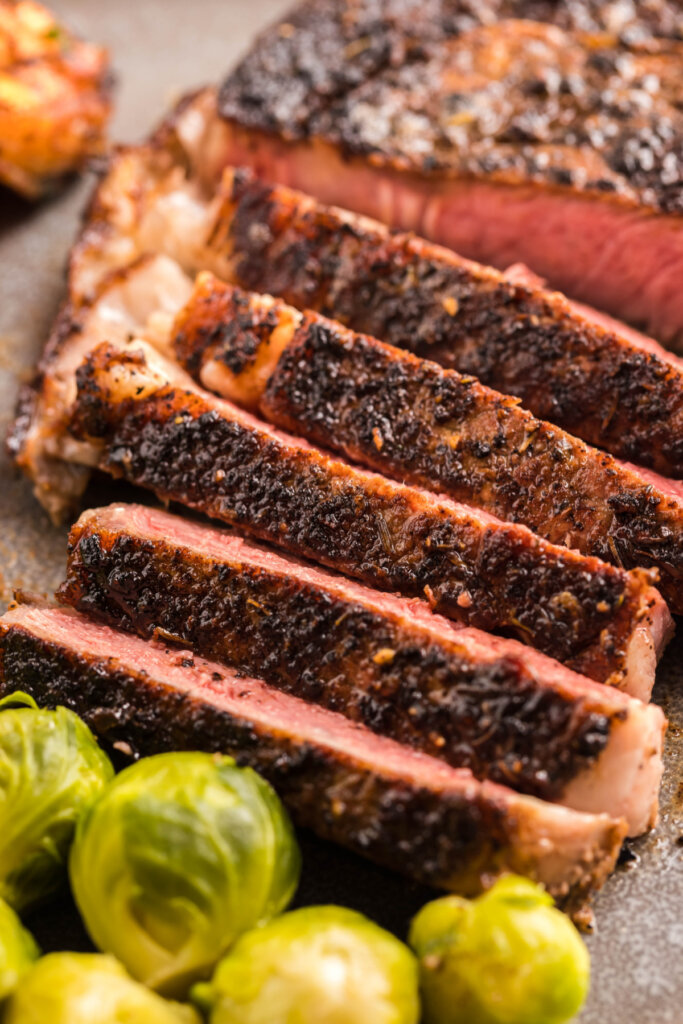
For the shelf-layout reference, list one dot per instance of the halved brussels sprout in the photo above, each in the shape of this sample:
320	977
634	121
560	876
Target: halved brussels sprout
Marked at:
319	965
508	957
84	988
181	854
18	950
51	770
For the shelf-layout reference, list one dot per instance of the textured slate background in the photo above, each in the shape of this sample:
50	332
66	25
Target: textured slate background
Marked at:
161	48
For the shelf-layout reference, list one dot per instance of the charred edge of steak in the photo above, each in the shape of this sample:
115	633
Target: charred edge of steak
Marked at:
322	49
33	437
443	431
238	330
184	448
24	412
66	323
440	838
491	717
319	52
419	297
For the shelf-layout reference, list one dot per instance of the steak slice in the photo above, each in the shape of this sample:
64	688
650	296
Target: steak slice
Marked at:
502	710
508	141
609	387
146	423
401	808
428	426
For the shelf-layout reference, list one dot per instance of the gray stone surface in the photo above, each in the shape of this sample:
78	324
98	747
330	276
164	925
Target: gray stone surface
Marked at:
161	48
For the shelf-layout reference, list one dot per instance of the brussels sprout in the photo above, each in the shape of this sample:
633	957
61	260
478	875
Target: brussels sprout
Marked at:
508	957
180	855
51	770
319	965
18	950
80	988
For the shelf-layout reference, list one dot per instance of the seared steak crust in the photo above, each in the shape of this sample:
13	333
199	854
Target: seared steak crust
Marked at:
199	451
456	837
421	297
490	715
445	432
57	484
428	426
441	88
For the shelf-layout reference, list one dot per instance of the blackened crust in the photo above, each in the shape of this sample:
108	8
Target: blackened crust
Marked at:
442	839
187	448
239	336
425	299
491	716
445	432
322	49
377	81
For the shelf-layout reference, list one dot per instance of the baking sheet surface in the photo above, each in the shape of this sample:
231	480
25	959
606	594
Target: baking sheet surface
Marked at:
161	48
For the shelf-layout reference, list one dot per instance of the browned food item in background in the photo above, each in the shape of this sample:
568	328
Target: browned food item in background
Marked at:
556	144
392	804
138	417
493	705
54	98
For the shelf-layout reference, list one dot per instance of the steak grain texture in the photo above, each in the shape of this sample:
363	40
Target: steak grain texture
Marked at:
393	805
519	339
500	709
431	427
207	454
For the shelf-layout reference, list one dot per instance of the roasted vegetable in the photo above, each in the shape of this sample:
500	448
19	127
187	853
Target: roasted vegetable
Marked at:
18	950
51	770
181	854
319	965
84	988
54	98
508	957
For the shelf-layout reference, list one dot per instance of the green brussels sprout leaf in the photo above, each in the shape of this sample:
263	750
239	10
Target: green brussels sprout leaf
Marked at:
18	699
81	988
180	855
18	950
51	770
318	965
508	957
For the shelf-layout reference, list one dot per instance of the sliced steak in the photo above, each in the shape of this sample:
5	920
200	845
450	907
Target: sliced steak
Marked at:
500	709
147	424
401	808
428	426
594	377
601	383
508	141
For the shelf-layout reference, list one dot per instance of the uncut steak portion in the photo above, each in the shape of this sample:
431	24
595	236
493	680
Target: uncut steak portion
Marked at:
400	808
494	706
508	141
144	421
430	427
